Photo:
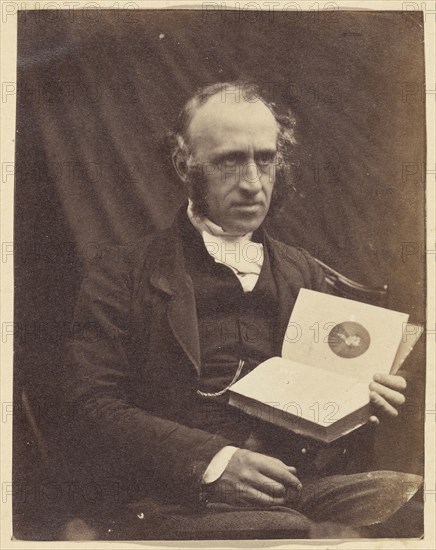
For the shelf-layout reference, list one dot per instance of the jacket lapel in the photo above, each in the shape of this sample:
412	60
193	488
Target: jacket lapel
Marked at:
170	276
287	294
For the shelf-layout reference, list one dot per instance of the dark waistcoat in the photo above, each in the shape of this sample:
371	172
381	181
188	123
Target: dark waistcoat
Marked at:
233	324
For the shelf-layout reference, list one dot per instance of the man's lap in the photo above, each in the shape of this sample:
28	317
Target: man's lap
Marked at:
337	506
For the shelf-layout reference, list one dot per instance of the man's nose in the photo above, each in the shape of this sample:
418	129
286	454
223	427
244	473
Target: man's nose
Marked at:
250	178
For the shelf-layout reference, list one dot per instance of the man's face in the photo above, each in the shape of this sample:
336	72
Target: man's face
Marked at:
235	144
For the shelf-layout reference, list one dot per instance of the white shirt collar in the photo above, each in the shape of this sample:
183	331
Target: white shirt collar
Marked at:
243	256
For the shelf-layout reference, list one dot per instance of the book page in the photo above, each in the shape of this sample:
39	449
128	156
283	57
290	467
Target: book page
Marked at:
411	335
305	391
344	336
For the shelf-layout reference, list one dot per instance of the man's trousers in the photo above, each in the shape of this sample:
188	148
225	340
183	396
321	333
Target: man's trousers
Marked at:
340	506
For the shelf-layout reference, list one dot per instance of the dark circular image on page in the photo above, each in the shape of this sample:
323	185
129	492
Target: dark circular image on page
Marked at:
349	339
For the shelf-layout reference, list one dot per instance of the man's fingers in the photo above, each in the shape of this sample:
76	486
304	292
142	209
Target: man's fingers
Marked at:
280	463
385	393
281	474
268	486
382	404
255	479
392	396
278	471
392	381
275	489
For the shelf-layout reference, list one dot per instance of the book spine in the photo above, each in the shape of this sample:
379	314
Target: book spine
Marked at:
278	417
297	424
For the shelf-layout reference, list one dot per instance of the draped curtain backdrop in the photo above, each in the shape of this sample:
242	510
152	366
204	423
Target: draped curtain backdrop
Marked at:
99	90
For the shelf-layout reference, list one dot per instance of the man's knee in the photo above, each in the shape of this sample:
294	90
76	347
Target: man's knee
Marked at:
359	499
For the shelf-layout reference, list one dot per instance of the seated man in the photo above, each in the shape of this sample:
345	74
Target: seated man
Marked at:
170	327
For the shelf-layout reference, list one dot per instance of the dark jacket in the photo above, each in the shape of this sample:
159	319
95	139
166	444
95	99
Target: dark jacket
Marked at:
133	364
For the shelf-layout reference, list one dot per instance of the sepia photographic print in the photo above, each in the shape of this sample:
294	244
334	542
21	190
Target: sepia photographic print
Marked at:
218	322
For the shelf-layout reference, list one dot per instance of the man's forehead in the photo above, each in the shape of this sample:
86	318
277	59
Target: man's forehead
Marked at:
231	117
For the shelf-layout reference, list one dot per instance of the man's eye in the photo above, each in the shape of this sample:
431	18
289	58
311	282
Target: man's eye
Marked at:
265	158
229	162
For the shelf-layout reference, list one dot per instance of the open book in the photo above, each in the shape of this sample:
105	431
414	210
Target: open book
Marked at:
331	350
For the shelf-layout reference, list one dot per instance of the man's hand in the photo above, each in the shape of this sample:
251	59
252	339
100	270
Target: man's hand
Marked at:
386	395
255	479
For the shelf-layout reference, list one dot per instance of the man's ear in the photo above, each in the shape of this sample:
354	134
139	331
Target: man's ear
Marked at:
180	164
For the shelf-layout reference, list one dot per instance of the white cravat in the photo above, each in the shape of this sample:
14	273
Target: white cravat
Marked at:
238	252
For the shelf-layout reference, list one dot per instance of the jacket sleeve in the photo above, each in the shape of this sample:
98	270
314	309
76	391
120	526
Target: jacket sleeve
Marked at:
126	441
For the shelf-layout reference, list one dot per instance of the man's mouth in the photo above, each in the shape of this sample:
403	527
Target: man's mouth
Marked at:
248	206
